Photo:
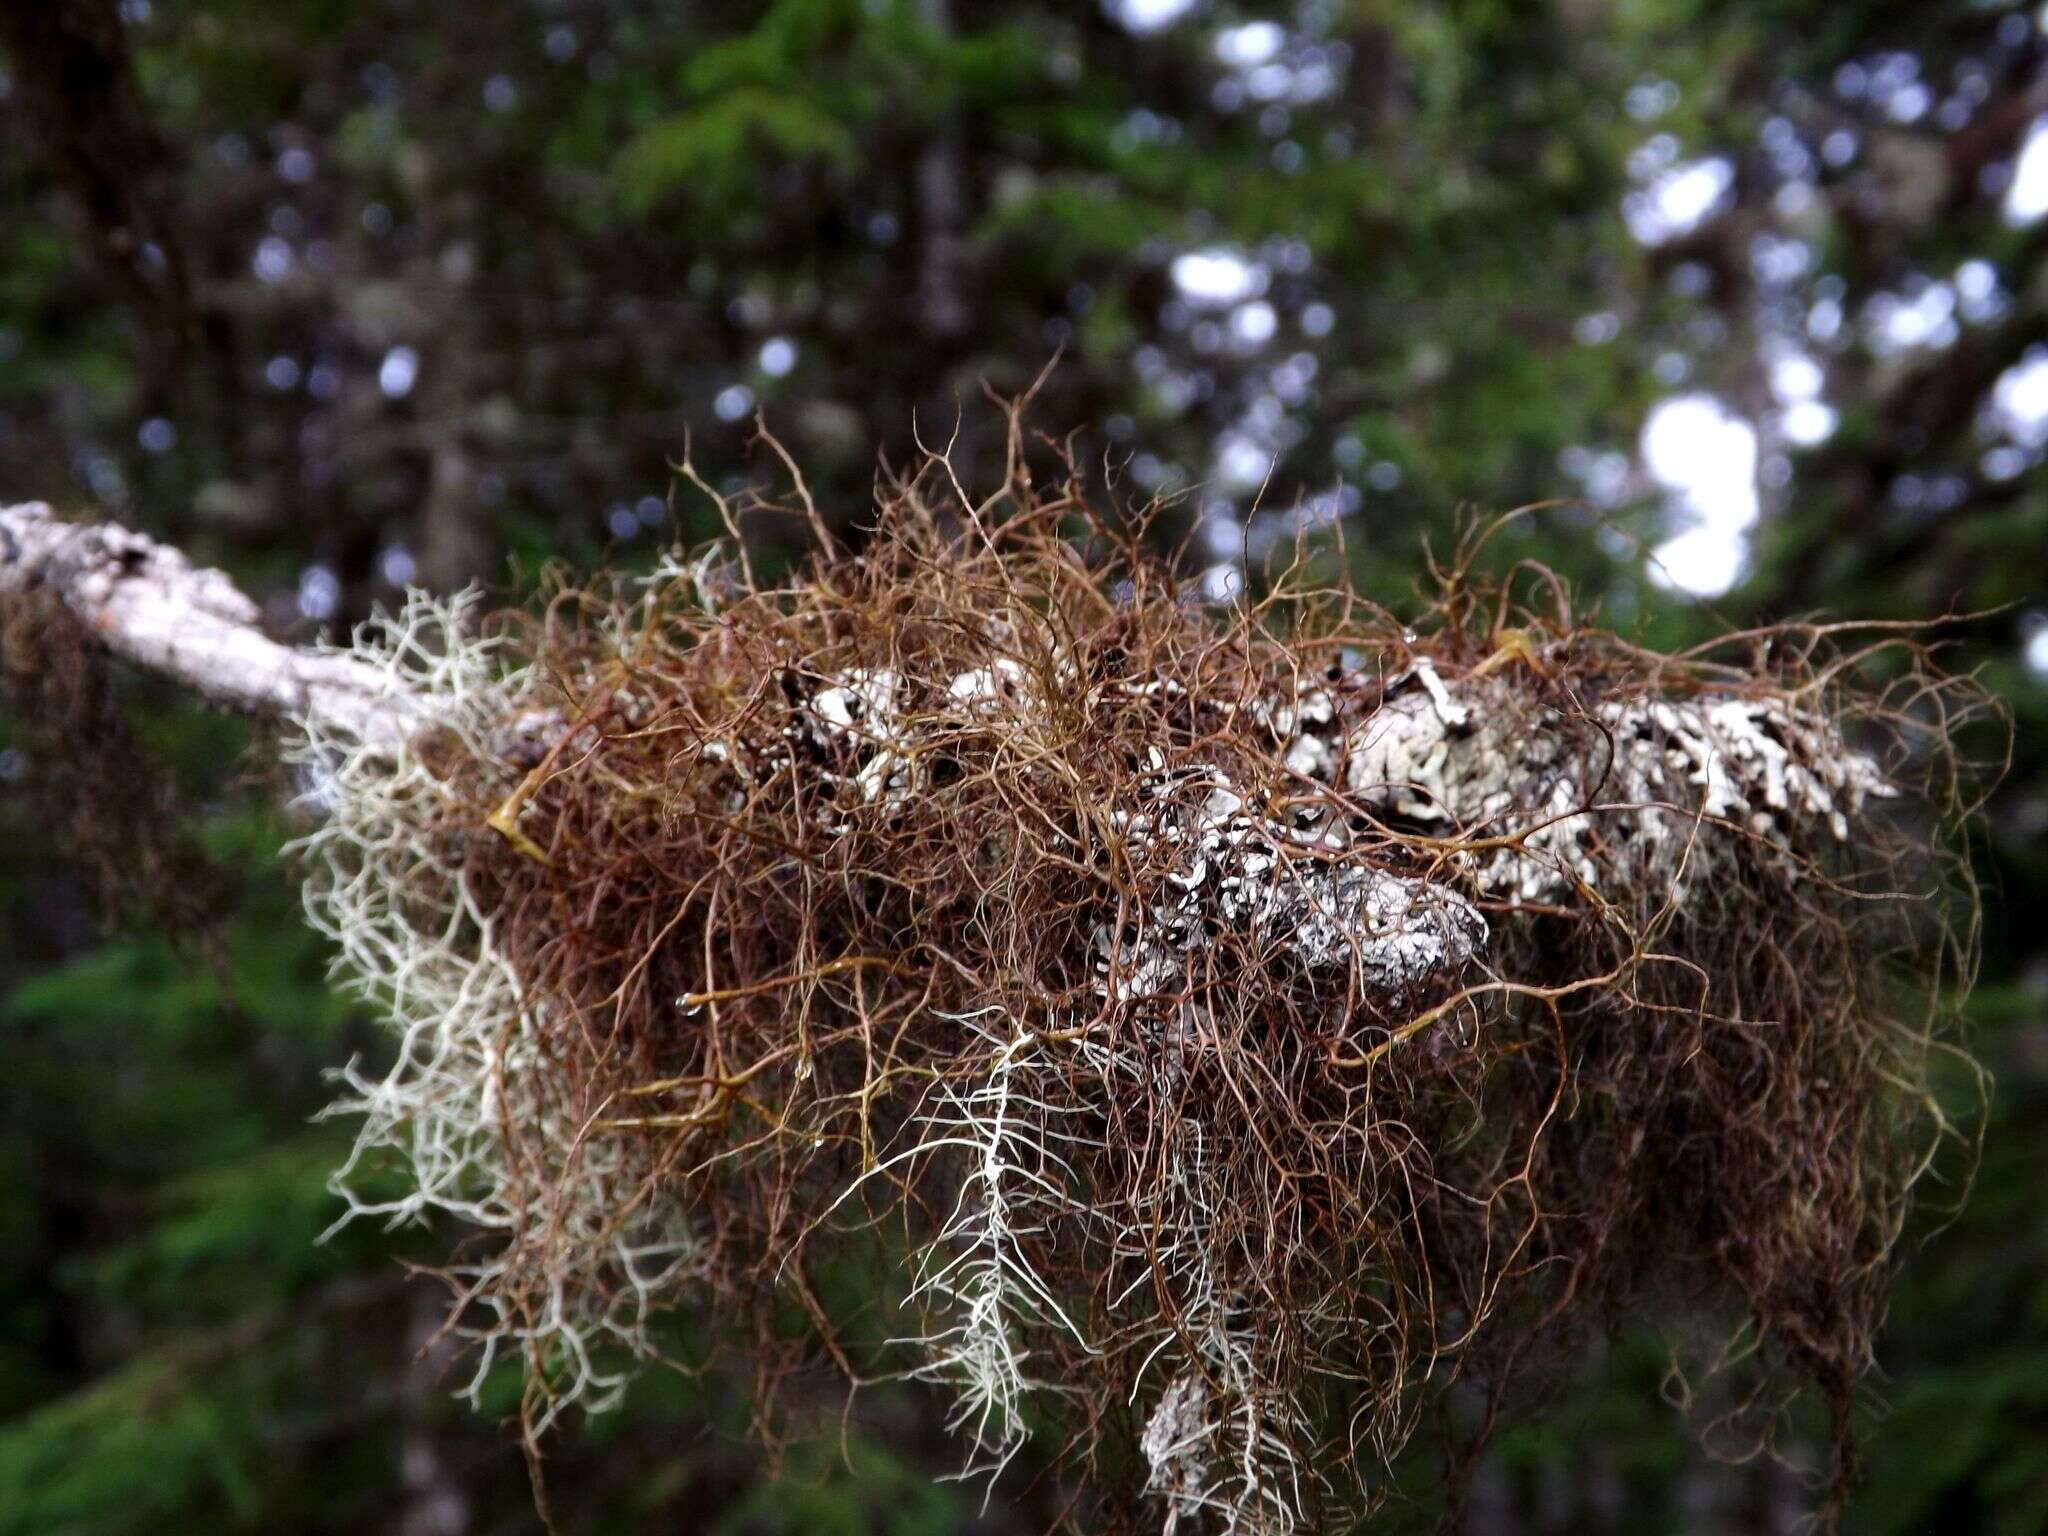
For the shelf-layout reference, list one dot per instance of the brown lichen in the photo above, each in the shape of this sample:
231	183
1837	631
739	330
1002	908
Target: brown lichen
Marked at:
1230	1077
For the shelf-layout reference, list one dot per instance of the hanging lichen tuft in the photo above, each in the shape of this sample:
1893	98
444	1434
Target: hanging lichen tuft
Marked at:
1239	1021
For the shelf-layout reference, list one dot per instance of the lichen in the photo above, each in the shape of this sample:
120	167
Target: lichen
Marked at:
388	880
1302	890
1637	793
1236	1022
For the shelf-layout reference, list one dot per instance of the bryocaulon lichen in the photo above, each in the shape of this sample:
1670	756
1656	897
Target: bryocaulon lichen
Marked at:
1215	1028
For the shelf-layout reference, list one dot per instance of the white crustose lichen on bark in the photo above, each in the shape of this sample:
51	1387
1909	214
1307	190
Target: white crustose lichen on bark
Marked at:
1627	798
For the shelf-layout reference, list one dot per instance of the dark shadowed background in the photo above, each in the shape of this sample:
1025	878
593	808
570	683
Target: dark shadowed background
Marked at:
349	294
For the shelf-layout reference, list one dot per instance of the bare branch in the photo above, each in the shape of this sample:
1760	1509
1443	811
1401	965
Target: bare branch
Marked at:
148	604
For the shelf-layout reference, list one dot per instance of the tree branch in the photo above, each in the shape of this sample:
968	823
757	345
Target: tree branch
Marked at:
148	604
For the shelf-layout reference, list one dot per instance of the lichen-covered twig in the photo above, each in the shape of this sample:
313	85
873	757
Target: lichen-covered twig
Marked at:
145	602
1222	1025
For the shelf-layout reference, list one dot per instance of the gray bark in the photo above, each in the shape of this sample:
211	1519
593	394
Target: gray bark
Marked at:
145	602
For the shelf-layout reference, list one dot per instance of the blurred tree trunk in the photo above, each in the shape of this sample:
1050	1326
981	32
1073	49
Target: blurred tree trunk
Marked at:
71	60
941	187
435	1502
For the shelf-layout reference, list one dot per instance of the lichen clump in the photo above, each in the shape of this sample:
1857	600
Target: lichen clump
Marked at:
1223	1026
